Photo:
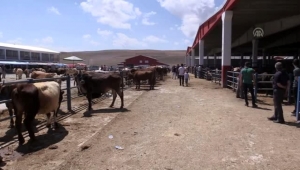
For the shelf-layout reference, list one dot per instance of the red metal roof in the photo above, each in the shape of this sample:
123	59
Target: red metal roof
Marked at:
210	23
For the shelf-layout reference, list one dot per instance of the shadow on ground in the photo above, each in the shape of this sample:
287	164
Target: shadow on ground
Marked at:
107	110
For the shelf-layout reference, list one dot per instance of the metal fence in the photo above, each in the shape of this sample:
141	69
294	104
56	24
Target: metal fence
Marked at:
232	82
30	80
232	79
67	89
216	76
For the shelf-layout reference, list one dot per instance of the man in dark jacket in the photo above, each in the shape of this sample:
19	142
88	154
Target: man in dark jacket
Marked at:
296	74
280	84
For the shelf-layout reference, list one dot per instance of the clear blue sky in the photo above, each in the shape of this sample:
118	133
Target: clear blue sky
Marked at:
66	25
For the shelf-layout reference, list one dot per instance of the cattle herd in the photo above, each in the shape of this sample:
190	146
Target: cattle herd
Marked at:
30	99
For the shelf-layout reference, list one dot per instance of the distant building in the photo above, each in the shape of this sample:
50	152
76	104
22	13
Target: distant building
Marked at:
11	52
141	60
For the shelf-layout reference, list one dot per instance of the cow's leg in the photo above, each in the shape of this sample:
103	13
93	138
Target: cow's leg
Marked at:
28	124
55	124
121	94
19	127
48	124
114	98
89	98
11	125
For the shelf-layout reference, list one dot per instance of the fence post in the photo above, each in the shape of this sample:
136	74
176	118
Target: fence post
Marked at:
255	87
69	92
298	98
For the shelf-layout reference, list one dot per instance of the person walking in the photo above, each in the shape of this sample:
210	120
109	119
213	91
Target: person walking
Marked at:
181	75
186	77
280	84
3	72
174	76
296	74
247	78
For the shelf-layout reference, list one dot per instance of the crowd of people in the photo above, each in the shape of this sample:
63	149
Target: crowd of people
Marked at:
281	84
182	73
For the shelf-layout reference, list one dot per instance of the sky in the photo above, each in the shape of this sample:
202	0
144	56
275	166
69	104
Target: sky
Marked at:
90	25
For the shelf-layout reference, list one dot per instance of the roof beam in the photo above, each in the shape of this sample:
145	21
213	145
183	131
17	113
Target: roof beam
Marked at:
292	38
269	29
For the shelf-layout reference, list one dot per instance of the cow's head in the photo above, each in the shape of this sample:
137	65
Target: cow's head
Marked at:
81	81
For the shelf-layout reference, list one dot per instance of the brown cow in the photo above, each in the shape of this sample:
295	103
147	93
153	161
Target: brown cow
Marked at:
139	75
94	85
42	75
18	72
26	72
32	99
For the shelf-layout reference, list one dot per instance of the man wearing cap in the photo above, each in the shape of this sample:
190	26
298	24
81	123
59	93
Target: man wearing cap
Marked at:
280	83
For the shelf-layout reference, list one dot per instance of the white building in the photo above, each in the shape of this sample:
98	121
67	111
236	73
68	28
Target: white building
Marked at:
11	52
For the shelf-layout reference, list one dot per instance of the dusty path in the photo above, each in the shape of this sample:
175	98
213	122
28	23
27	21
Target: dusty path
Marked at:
197	127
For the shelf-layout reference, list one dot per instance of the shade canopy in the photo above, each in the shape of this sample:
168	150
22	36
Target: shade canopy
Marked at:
73	58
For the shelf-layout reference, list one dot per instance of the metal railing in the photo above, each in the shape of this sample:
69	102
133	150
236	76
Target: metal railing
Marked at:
30	80
216	76
232	79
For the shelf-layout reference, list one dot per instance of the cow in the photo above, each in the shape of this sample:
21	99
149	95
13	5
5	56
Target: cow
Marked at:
138	75
26	72
42	75
45	97
61	71
94	85
5	92
72	72
18	72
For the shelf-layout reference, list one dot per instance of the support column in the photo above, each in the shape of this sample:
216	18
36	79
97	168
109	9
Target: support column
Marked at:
5	54
189	59
264	58
254	52
19	56
215	60
186	62
226	45
201	52
40	56
193	58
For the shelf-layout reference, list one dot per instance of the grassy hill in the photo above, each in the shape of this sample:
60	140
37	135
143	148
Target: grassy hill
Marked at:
114	57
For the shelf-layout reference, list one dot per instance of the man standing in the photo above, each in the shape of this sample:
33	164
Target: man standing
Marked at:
247	78
280	83
295	83
181	75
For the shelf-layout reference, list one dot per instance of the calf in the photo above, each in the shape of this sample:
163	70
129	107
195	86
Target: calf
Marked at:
94	85
18	72
33	99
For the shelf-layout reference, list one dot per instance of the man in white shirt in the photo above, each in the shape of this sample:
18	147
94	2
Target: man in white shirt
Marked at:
181	75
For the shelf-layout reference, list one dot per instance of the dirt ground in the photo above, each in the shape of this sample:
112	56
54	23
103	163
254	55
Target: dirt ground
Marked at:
198	127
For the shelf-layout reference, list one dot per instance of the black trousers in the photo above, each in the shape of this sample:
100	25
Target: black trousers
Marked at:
249	87
295	91
278	95
181	81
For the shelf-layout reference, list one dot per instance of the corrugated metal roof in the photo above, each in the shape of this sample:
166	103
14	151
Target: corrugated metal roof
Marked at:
29	48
